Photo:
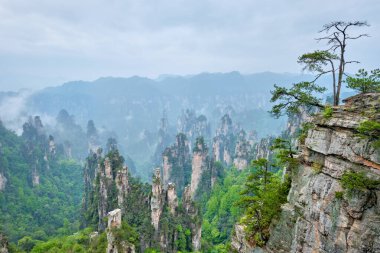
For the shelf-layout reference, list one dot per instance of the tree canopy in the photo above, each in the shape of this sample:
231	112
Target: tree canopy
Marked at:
365	82
331	61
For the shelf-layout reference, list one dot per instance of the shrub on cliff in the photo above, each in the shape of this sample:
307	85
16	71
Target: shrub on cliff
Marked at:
262	198
370	130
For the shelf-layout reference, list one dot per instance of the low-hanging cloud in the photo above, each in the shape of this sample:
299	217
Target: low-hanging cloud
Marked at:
14	111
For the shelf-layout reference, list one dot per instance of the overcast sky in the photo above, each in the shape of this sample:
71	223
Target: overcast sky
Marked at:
45	43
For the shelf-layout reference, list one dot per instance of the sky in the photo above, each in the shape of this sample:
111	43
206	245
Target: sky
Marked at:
48	42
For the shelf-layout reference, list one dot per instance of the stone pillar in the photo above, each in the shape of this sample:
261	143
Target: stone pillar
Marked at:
122	186
172	198
156	200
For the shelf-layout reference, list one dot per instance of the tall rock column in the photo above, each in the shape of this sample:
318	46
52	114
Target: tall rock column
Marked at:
3	244
176	162
223	145
172	198
122	185
3	182
193	212
199	164
114	245
242	152
156	200
103	199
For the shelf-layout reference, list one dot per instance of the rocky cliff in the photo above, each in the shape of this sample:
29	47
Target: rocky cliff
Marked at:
176	163
3	181
114	244
193	213
170	222
193	126
321	215
156	201
243	151
3	244
164	139
223	146
106	186
199	165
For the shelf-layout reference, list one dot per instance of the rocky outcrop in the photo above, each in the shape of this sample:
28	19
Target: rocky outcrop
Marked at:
176	163
164	139
35	142
317	218
242	151
295	122
200	163
223	146
35	176
106	185
114	245
192	211
103	200
3	181
52	146
193	126
172	199
3	244
92	137
239	241
122	185
262	148
164	208
156	201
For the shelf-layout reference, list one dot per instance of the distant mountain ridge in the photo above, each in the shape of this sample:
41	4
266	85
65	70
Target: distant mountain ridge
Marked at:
132	107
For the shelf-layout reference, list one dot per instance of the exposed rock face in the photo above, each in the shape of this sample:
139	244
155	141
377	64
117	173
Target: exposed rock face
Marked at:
171	195
224	142
164	207
193	126
156	200
35	176
115	246
315	220
176	162
262	148
114	219
103	200
295	122
164	139
52	146
242	151
200	163
106	185
35	138
107	168
239	241
3	182
92	137
192	211
122	185
3	244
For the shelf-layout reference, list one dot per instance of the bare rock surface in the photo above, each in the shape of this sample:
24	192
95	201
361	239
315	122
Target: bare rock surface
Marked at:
316	219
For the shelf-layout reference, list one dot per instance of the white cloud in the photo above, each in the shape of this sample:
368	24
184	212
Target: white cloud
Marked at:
47	42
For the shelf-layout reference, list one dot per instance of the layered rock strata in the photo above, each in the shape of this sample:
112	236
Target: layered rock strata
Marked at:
321	216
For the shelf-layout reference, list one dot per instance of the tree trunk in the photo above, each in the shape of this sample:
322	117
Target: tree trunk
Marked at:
340	75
